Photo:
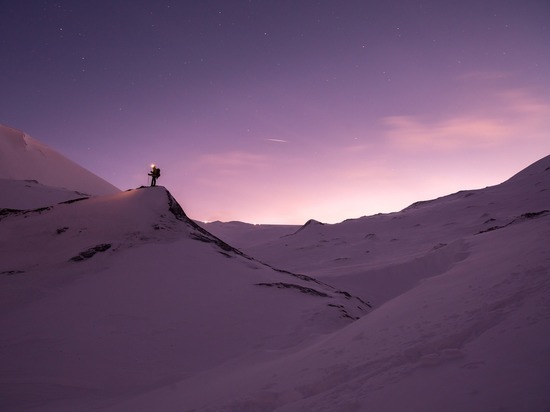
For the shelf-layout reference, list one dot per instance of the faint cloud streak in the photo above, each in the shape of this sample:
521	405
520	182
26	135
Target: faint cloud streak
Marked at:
408	132
513	116
277	140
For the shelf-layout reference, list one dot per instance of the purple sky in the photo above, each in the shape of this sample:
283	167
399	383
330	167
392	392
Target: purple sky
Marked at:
281	111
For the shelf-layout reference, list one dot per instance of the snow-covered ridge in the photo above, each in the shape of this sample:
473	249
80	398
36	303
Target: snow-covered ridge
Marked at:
137	269
122	303
24	158
360	245
71	229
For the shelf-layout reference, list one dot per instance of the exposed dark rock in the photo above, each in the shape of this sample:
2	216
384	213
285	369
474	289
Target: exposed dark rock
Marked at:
344	312
531	215
302	289
68	202
15	212
90	252
296	275
491	229
39	210
334	305
8	212
349	297
346	294
176	209
12	272
201	237
525	216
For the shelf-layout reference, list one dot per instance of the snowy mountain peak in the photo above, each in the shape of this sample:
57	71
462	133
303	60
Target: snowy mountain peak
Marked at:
25	158
311	223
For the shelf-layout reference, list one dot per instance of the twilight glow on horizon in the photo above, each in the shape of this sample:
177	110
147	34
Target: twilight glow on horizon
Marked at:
282	111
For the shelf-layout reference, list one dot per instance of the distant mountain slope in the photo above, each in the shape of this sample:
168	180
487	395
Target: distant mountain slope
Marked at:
24	158
381	256
244	235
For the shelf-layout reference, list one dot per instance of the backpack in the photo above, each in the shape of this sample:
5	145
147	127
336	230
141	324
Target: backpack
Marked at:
157	172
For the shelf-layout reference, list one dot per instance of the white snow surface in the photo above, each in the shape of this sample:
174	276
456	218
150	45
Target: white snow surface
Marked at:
164	316
24	158
29	194
105	298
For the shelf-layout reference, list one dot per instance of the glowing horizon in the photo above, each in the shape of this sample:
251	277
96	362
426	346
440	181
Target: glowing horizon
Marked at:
281	113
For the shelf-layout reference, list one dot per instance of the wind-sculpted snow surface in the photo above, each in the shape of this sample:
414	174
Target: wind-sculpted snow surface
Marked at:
382	256
462	289
108	297
172	318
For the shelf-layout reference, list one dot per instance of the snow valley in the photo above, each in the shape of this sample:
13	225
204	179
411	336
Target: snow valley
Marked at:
117	301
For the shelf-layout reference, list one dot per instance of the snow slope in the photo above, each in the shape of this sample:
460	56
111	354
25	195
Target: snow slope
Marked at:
121	303
108	297
24	158
462	285
475	338
383	255
29	194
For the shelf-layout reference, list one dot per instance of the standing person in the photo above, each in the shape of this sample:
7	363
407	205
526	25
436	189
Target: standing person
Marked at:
155	174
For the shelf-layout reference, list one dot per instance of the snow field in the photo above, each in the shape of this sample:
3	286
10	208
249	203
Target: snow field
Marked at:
120	302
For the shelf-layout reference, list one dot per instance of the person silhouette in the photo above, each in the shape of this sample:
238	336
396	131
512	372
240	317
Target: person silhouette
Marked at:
155	174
